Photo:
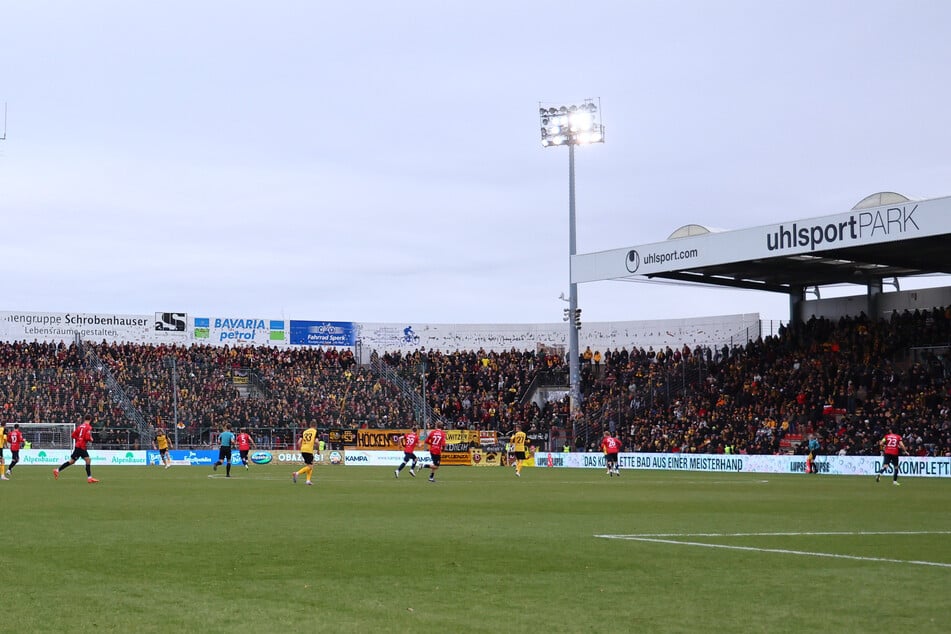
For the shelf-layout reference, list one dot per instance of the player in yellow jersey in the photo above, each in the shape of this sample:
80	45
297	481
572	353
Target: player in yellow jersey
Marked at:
3	443
161	443
518	441
306	445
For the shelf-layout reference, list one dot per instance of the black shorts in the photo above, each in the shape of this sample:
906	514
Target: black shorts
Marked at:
610	458
224	454
436	458
409	455
519	455
244	454
890	459
163	452
79	453
15	454
308	457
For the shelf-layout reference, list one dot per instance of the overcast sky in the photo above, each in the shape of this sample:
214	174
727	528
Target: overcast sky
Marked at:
380	161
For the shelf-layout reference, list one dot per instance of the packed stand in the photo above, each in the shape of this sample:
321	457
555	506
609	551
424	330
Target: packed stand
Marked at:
844	381
273	391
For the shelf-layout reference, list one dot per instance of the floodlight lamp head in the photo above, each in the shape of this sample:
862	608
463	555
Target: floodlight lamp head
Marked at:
574	124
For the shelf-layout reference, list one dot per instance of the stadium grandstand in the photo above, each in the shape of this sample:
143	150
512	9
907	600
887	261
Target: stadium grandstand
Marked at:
842	369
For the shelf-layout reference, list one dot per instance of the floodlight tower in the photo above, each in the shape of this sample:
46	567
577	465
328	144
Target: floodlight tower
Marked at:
571	125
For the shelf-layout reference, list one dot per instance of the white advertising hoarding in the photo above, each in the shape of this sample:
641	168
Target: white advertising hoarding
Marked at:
739	463
703	331
53	458
38	326
184	329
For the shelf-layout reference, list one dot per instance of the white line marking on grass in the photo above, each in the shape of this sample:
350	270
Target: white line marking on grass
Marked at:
800	534
784	551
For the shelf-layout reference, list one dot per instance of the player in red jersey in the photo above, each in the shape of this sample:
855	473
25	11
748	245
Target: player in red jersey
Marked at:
15	440
245	443
82	436
435	441
409	441
611	446
892	446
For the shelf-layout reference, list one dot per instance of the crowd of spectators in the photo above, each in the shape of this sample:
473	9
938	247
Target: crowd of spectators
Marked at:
844	381
46	382
272	391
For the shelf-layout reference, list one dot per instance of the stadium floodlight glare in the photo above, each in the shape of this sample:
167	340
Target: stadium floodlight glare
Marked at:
576	124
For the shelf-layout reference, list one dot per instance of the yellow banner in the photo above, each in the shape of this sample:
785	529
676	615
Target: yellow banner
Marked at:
485	458
380	439
457	440
460	436
347	437
456	458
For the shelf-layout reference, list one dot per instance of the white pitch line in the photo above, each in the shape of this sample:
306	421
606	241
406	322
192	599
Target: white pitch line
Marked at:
800	534
784	551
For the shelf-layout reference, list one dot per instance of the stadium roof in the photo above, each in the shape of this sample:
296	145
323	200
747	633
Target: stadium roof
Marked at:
885	235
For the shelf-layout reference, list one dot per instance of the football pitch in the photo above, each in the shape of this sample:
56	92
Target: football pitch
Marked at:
557	550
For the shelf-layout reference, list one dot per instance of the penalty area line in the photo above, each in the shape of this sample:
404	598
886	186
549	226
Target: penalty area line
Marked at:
781	551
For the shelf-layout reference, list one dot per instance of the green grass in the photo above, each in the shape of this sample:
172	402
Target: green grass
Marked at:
150	550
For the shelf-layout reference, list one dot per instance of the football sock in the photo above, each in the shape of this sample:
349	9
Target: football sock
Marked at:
88	471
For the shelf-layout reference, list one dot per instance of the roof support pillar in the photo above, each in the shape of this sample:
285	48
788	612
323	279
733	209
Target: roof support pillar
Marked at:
797	297
873	293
